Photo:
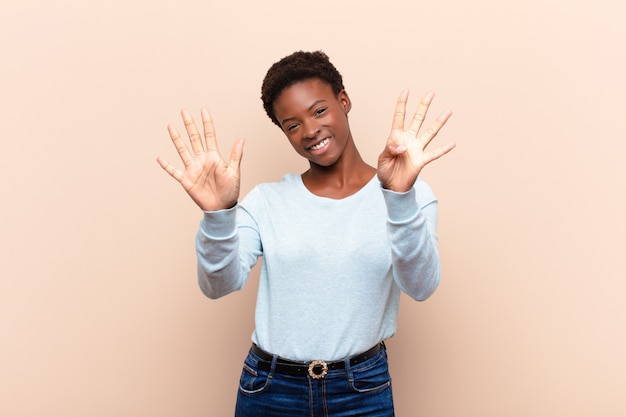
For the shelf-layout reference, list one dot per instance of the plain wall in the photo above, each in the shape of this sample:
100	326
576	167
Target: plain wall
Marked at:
100	313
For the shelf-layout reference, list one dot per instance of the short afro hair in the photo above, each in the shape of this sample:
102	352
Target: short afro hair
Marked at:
299	66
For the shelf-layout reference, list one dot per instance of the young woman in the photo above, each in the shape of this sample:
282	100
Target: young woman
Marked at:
339	243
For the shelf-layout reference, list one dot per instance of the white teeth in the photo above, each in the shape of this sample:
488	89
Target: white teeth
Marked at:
319	145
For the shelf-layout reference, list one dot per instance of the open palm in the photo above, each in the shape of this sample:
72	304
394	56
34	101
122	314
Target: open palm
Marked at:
405	152
209	180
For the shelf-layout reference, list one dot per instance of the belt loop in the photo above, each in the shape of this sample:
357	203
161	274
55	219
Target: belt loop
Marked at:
346	362
348	366
273	366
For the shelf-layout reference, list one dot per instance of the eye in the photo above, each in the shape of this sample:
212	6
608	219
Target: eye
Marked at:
291	127
320	111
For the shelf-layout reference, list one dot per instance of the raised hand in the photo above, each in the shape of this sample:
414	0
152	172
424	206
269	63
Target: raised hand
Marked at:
208	179
405	152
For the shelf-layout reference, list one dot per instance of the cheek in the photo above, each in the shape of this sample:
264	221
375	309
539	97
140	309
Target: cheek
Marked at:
341	125
296	145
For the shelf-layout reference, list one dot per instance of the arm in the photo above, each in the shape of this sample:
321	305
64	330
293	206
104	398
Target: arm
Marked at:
411	228
214	185
227	246
411	225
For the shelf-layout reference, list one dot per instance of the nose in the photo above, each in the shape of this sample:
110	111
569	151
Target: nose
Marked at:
311	129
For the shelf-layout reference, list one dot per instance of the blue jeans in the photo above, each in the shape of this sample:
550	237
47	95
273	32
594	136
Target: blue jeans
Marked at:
360	390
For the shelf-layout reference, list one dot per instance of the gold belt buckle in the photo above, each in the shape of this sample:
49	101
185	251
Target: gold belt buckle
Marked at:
318	369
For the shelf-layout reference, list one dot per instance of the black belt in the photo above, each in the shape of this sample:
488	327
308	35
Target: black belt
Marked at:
315	369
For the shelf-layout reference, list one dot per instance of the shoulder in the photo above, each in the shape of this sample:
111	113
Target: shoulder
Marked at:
287	182
273	191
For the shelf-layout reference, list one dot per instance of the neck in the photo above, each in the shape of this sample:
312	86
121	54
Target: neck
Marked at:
342	179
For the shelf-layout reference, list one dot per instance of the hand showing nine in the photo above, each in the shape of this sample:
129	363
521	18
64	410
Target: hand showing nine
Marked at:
405	153
209	180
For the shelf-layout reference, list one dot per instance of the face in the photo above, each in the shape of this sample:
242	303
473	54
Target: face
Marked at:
315	120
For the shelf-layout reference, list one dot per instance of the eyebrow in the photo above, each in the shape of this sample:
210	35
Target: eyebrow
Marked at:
315	103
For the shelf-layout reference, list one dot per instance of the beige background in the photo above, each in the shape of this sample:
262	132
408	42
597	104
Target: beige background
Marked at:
100	314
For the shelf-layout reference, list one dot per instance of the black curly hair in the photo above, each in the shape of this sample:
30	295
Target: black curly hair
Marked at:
299	66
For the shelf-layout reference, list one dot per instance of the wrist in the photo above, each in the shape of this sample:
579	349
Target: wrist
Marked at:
401	206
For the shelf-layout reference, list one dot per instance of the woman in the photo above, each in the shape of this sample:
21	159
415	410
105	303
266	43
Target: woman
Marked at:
339	243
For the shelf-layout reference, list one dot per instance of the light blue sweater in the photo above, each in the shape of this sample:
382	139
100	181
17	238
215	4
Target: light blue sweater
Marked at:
332	269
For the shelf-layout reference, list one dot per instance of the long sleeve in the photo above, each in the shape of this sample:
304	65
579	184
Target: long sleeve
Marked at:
411	228
226	251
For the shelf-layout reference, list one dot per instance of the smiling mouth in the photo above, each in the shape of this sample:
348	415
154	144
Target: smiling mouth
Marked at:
319	145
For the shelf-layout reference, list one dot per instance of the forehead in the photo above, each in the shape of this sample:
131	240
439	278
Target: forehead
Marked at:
301	96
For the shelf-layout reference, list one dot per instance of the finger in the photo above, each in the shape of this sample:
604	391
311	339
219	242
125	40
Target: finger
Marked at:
236	154
435	128
170	169
209	130
420	113
194	136
181	148
395	147
400	111
437	153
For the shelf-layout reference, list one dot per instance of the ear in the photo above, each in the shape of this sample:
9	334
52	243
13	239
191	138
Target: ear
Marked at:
344	100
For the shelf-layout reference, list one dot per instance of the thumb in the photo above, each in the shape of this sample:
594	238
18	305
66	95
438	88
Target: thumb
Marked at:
236	154
394	148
